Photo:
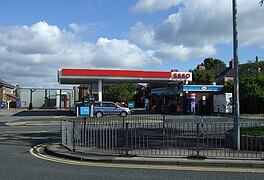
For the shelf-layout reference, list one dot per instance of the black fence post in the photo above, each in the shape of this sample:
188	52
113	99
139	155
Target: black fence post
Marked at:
163	124
198	140
126	139
61	132
83	137
73	136
123	122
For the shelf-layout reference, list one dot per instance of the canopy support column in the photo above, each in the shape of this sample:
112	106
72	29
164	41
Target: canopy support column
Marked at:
100	90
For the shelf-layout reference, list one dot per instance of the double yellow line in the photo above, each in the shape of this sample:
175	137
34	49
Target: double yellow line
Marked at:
35	151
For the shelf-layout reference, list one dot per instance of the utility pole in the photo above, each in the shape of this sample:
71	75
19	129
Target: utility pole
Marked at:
236	79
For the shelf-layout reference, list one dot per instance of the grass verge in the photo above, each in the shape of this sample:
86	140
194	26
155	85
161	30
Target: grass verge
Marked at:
253	131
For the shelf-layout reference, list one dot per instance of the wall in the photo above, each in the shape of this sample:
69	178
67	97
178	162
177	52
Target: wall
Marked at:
46	98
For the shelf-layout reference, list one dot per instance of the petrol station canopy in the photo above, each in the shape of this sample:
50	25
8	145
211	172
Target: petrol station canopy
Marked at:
100	76
92	76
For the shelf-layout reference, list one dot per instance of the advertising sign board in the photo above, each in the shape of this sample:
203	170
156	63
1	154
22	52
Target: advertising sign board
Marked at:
84	110
223	103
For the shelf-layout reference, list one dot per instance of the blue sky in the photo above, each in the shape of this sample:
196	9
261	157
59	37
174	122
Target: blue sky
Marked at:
38	37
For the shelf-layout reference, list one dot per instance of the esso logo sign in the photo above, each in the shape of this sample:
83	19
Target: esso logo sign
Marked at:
181	76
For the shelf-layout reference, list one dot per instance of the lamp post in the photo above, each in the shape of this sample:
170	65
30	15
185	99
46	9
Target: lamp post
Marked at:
236	78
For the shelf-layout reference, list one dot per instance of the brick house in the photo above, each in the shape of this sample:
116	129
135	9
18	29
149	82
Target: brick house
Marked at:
7	93
224	75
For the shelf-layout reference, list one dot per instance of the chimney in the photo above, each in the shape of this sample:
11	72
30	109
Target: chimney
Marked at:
231	64
201	66
174	70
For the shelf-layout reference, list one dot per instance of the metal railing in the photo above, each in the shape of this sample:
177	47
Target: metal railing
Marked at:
175	136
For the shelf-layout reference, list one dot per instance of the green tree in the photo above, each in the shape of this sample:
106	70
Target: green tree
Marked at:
202	77
207	76
251	92
252	68
119	93
229	87
212	64
261	2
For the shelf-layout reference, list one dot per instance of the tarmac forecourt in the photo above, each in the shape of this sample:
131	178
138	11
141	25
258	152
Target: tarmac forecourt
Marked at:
44	151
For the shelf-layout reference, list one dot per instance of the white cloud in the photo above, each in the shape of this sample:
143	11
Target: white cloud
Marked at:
120	53
35	39
31	55
79	27
85	27
250	26
197	27
203	23
183	53
141	34
150	6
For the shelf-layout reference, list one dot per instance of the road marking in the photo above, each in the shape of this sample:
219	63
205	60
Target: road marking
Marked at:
35	151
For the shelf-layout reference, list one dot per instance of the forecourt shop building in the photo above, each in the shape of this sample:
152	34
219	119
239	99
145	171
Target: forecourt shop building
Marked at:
90	77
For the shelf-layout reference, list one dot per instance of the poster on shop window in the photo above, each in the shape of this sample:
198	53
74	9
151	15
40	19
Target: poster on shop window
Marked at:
223	103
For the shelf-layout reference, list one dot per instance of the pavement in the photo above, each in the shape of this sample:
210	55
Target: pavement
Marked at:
56	149
21	117
10	112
